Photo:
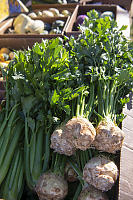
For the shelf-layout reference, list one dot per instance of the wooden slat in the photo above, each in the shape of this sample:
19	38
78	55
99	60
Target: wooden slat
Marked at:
126	161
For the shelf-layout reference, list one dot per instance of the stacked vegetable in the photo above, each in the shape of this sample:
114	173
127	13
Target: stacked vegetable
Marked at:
50	12
25	24
64	102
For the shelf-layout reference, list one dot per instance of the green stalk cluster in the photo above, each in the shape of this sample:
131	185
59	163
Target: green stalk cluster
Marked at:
13	184
11	166
107	61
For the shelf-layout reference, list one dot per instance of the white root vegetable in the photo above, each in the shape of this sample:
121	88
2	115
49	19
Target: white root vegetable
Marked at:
100	172
32	14
91	193
80	133
66	13
60	144
21	22
107	14
47	13
51	186
109	137
55	11
36	27
24	24
61	15
39	14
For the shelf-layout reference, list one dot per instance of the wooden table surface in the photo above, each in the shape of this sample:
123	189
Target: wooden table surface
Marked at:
126	162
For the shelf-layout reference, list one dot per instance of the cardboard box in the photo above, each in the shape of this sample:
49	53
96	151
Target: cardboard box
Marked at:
23	41
121	17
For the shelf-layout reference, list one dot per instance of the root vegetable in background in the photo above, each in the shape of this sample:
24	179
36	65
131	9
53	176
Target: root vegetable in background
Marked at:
55	11
100	172
21	22
24	24
5	56
80	20
32	15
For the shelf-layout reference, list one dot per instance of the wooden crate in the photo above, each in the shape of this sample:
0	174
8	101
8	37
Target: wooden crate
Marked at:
123	3
23	41
121	17
60	7
82	10
40	7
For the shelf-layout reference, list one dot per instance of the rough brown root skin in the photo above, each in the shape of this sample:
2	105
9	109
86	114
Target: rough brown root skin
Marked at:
80	133
51	186
91	193
60	144
101	173
109	137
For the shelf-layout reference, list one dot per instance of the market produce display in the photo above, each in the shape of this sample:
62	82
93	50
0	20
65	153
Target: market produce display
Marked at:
51	12
80	18
61	121
25	24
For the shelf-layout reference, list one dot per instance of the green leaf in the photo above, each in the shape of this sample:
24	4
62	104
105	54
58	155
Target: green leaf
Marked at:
124	76
55	98
124	27
125	100
67	109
